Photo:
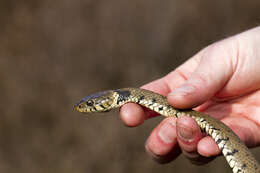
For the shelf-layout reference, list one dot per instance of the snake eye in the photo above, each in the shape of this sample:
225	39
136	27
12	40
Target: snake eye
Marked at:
90	102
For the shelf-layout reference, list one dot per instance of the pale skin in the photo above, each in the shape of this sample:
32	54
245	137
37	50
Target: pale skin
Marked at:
222	80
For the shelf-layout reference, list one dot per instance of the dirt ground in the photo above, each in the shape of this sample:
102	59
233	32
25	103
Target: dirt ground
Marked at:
52	53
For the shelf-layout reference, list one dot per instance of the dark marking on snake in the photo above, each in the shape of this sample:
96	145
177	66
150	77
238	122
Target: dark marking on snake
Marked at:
232	153
153	100
202	120
123	95
102	106
239	171
160	108
214	128
244	166
140	98
222	139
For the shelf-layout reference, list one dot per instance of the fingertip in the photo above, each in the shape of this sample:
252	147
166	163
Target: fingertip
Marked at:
188	133
132	114
162	144
163	138
208	148
197	89
184	97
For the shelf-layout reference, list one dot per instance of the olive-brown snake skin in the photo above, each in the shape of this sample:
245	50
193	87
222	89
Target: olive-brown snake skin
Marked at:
236	153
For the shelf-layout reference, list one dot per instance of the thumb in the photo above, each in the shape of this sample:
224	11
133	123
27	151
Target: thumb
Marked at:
212	73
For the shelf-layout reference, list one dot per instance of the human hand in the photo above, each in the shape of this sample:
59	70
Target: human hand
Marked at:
222	80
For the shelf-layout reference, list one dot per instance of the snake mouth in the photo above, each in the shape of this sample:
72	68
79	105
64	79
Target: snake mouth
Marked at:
77	107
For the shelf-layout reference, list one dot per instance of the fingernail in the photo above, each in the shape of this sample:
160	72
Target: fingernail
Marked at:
185	133
167	132
183	90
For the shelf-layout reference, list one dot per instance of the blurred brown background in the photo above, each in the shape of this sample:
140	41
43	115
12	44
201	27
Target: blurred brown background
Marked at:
52	53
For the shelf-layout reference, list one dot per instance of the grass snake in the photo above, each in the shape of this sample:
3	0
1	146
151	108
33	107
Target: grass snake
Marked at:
236	153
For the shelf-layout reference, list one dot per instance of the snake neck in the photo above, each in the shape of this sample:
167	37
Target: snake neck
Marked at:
150	100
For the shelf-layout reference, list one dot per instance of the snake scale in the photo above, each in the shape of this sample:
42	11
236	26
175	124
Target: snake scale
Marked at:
236	153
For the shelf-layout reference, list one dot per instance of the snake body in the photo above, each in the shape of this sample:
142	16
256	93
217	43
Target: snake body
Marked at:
236	153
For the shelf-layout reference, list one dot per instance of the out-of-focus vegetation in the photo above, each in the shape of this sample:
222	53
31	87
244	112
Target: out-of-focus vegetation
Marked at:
52	53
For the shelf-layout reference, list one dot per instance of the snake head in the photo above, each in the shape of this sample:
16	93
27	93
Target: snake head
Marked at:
98	102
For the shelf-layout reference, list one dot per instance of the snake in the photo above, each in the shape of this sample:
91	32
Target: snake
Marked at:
237	155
